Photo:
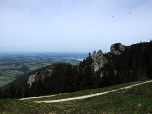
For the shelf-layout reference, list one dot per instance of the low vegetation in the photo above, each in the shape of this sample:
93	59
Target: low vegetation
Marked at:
84	92
138	99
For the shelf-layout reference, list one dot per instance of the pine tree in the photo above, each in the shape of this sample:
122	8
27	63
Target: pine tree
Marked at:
119	77
104	79
5	94
32	90
97	79
12	91
69	82
79	77
18	93
134	76
1	94
25	91
88	79
39	87
46	83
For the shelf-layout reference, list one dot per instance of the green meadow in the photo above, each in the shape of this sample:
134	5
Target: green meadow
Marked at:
136	100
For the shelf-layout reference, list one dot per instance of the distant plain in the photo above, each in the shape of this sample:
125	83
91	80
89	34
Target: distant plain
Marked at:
14	65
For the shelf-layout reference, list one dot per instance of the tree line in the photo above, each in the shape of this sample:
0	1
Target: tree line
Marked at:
132	65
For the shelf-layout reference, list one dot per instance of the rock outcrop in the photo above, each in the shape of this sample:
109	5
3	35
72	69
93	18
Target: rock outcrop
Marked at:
117	48
47	71
31	79
98	60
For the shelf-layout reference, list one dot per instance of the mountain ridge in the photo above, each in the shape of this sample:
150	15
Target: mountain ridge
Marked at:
121	65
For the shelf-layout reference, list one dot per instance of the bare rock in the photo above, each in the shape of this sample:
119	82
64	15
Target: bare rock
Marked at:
117	48
94	55
47	71
31	79
98	60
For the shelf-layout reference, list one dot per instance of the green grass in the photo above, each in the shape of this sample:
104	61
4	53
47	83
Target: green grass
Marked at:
137	100
6	80
83	92
11	76
33	67
4	83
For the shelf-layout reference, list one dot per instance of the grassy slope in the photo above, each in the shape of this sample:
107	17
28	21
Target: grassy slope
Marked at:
135	100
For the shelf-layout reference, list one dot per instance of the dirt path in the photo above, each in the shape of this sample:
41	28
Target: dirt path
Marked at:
38	97
85	96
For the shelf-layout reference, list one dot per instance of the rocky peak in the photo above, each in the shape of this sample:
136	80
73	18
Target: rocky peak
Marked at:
117	48
98	60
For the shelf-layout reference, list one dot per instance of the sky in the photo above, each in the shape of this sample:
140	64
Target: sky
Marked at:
73	25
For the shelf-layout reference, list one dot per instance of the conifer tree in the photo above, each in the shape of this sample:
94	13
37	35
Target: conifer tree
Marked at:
39	87
25	91
46	83
79	77
97	79
18	93
88	78
1	94
69	83
5	94
12	90
104	79
33	90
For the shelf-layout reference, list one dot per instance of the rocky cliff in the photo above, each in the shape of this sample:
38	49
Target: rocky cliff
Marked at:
47	71
117	48
98	60
98	63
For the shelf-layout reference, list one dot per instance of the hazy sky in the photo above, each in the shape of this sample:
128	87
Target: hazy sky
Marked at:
73	25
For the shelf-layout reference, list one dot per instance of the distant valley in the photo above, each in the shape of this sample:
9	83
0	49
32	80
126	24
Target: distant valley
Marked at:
14	65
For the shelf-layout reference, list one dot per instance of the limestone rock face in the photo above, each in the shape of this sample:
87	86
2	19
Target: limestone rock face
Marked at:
98	60
31	79
47	71
121	47
94	54
115	51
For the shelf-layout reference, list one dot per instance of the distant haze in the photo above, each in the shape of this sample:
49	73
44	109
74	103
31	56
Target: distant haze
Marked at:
73	25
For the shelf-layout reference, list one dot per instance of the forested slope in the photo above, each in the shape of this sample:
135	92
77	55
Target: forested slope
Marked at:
131	65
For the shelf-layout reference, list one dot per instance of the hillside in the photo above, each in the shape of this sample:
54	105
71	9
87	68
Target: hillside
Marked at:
123	64
137	99
14	65
21	80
